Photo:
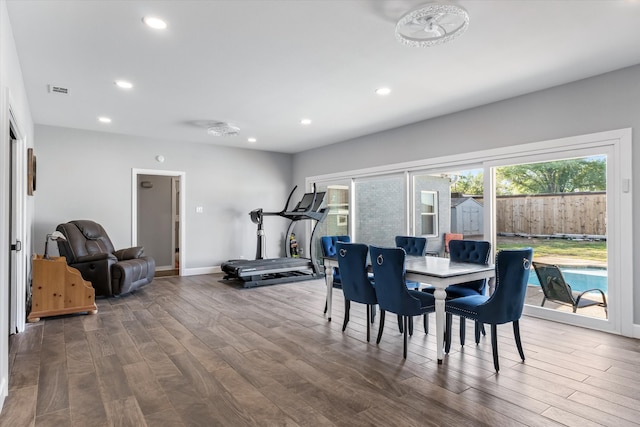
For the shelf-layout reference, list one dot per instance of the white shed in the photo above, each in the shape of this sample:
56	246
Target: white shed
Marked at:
466	216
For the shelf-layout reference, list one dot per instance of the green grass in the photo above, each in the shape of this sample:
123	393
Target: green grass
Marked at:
577	249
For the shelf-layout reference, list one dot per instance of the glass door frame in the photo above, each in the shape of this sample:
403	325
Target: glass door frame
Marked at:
619	243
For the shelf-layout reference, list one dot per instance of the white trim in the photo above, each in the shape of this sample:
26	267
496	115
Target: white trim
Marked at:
201	270
4	247
19	309
134	207
636	331
617	144
465	160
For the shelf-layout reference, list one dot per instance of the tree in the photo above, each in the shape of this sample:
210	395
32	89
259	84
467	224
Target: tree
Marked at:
561	176
469	183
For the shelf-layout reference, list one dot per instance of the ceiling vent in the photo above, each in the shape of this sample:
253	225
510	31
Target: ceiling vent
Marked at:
58	89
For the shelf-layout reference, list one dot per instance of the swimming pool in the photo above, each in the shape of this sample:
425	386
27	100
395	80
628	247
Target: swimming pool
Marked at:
580	278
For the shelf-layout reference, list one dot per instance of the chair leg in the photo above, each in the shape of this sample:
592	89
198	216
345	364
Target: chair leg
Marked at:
494	346
347	306
406	328
381	327
447	332
400	321
368	322
426	323
410	325
516	333
463	330
373	313
478	327
325	307
482	329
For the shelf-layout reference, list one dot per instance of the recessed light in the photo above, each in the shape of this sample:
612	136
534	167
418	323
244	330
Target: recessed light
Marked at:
155	23
305	121
252	140
383	91
124	84
104	119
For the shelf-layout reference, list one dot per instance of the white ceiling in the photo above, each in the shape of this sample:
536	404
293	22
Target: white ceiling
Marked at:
265	64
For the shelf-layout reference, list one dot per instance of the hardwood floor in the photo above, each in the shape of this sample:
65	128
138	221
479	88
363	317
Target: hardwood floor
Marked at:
194	351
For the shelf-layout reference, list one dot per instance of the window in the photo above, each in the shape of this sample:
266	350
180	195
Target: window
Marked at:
458	194
428	213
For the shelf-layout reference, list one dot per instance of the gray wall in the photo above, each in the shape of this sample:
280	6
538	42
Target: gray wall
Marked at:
601	103
87	175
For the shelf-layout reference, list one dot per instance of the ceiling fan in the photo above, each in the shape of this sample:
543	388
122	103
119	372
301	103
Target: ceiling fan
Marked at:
432	24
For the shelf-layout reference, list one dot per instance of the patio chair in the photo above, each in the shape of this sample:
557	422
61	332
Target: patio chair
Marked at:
556	289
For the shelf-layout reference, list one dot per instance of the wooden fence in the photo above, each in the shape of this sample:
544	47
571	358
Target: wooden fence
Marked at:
567	213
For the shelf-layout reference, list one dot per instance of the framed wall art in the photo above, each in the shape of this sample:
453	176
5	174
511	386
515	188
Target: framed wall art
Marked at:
31	172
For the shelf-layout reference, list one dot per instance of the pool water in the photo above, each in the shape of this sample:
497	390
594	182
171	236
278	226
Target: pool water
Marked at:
580	279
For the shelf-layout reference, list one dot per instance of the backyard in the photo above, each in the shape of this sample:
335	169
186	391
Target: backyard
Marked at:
561	251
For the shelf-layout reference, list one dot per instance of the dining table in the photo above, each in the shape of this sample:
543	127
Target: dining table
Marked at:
431	270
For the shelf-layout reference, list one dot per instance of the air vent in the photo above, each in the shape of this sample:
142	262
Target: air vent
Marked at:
58	89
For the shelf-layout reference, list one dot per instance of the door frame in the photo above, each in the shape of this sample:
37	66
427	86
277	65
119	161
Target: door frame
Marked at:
12	302
181	201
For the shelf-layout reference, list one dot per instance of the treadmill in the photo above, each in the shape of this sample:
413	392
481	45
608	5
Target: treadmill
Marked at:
269	271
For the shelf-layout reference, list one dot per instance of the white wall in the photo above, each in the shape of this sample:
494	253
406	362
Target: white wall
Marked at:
11	91
606	102
87	175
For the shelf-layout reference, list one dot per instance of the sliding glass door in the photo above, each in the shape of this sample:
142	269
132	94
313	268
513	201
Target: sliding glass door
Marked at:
558	207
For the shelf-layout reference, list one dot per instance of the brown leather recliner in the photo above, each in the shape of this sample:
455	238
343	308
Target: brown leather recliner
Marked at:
89	249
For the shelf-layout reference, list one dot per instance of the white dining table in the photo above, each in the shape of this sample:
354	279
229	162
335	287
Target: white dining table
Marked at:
435	271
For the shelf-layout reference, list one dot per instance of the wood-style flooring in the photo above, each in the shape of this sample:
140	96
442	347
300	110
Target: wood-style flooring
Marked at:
194	351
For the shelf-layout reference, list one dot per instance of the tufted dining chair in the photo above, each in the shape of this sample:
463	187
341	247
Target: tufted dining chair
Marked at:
392	292
413	246
473	251
330	250
328	245
357	286
503	306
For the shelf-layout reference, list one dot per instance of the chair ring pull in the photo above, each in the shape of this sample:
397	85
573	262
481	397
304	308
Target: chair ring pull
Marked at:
526	264
343	252
380	259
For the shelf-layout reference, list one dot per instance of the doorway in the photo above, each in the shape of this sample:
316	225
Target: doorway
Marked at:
156	223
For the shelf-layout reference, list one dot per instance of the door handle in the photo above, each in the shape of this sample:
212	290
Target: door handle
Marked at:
17	246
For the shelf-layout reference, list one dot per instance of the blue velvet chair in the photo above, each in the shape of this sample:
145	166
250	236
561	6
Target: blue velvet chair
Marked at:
330	250
357	286
392	292
473	251
503	306
413	246
328	245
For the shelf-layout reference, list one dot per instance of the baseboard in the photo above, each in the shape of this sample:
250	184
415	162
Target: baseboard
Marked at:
636	331
4	391
201	270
